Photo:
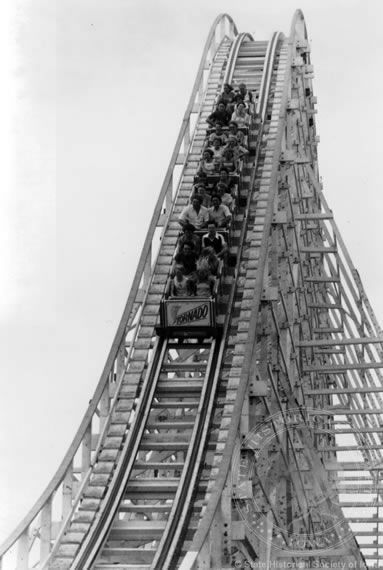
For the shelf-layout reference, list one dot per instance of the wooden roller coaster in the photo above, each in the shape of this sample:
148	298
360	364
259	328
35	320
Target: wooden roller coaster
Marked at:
256	441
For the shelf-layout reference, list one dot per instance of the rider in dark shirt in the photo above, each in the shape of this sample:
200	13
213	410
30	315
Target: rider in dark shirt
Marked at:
215	240
220	114
187	258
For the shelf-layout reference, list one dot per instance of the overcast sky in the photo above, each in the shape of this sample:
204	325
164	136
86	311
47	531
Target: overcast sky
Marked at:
98	90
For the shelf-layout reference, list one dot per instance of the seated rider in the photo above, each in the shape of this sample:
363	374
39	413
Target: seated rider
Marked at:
187	259
189	236
220	113
179	283
240	115
238	150
244	95
215	240
233	130
225	178
226	198
200	191
204	284
228	161
227	97
218	152
217	133
194	214
219	212
208	260
207	164
202	178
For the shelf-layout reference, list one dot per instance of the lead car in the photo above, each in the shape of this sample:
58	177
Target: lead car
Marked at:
189	316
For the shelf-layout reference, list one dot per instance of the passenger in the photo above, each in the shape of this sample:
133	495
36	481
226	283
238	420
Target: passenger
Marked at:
225	178
243	94
226	198
200	191
215	240
219	212
204	284
208	261
238	151
187	259
240	115
203	178
218	152
179	283
220	113
207	164
227	97
233	130
228	161
190	236
194	214
217	133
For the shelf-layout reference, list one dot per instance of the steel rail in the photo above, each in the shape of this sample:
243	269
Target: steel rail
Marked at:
180	509
206	522
168	545
195	443
118	343
239	40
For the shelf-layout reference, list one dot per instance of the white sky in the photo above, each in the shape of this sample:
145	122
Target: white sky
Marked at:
97	91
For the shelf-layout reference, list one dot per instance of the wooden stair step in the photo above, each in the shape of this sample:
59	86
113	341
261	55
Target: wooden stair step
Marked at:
114	555
160	465
181	386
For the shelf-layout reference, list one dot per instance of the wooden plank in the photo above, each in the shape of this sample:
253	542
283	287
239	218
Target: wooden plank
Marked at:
356	390
340	411
131	556
322	279
337	368
318	249
314	216
160	465
339	342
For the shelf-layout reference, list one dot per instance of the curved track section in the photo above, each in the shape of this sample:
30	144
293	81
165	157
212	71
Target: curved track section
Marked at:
255	446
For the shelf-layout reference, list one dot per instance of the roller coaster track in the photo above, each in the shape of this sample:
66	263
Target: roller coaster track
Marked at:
263	444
